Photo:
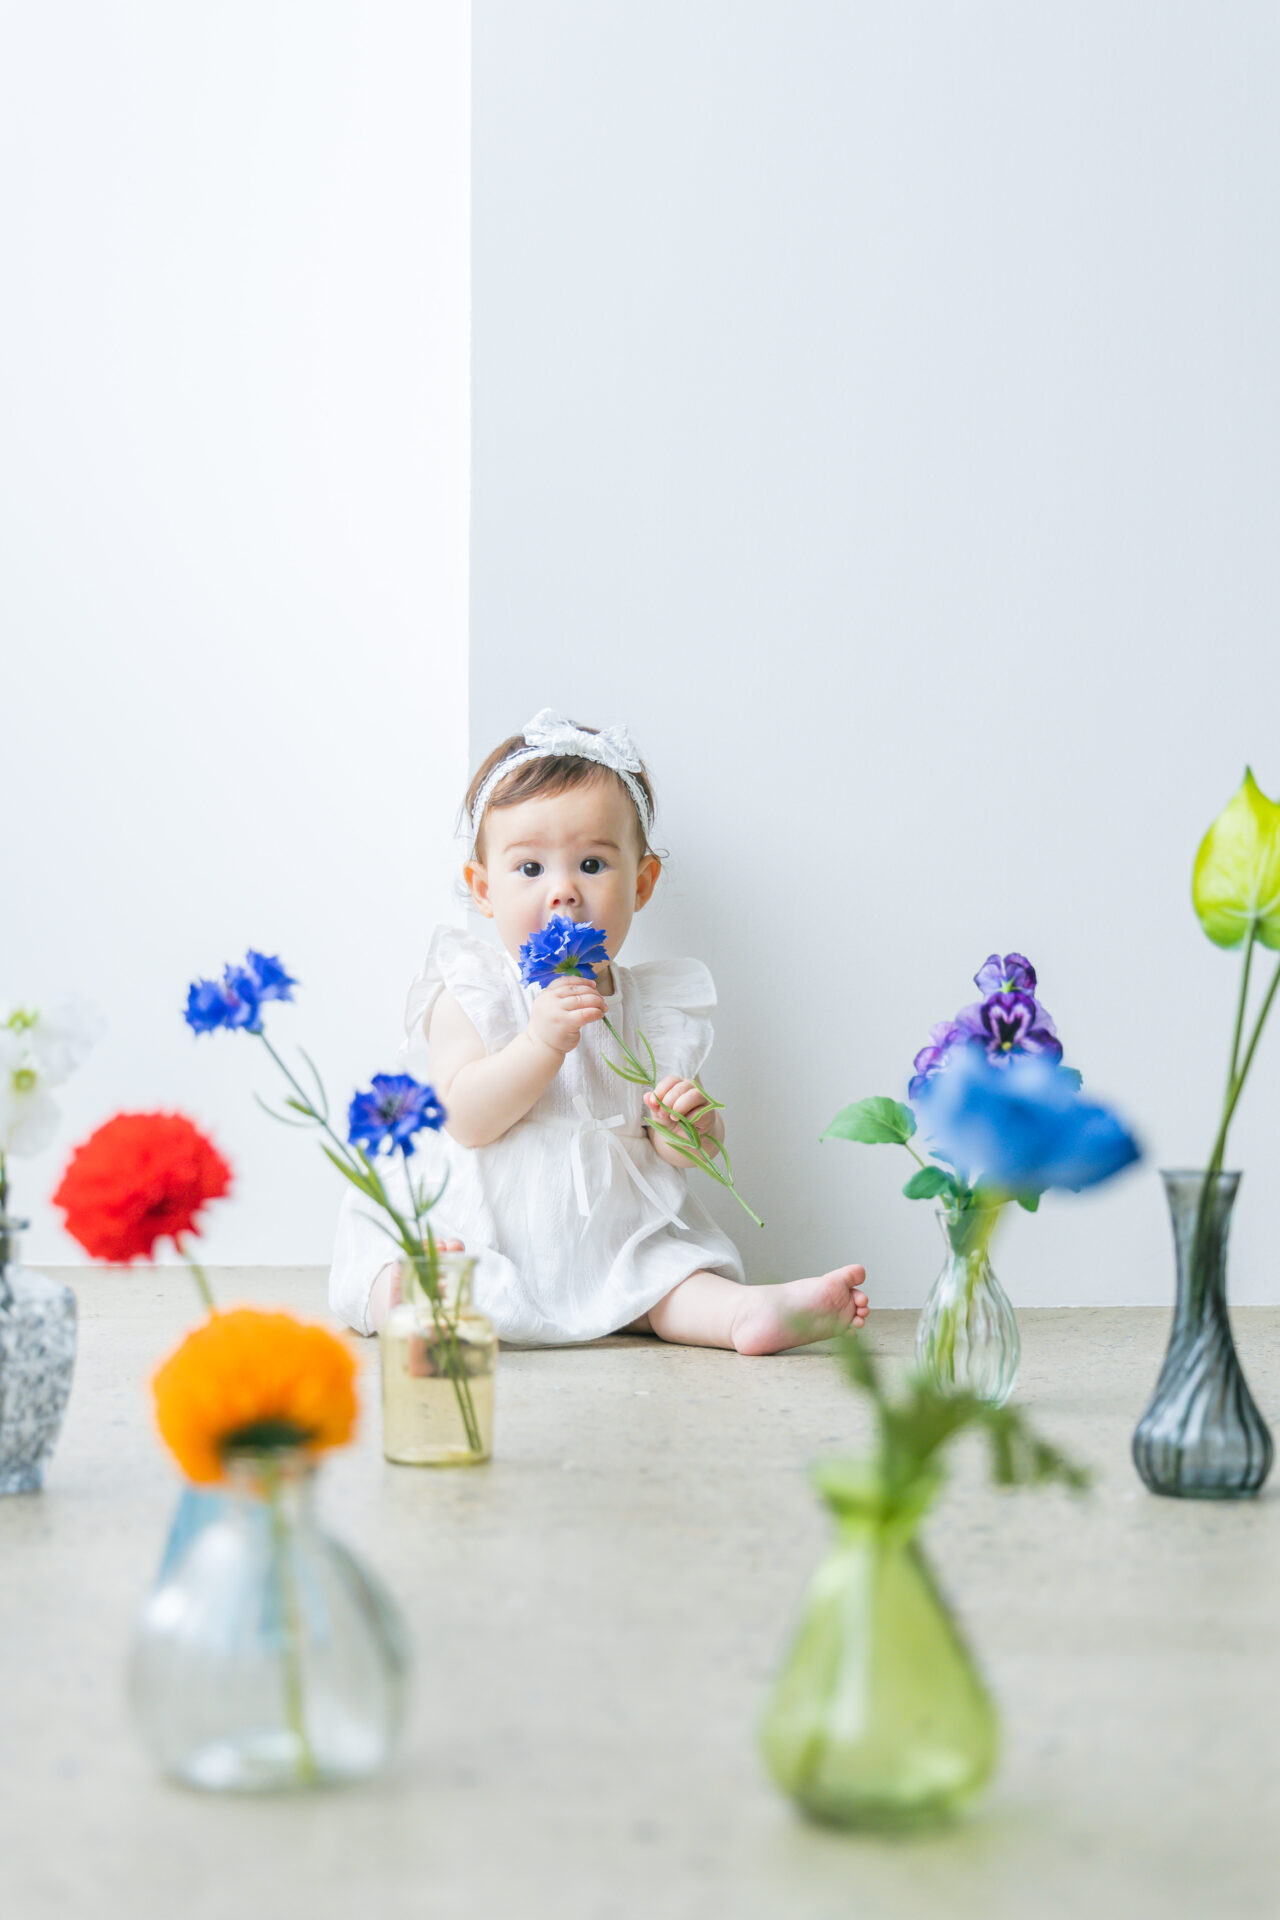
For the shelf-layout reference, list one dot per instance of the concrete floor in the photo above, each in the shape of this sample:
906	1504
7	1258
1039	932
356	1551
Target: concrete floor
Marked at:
596	1618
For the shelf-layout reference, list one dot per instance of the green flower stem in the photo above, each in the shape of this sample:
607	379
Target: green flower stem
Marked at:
446	1330
1240	1011
201	1277
1235	1087
362	1172
294	1702
688	1140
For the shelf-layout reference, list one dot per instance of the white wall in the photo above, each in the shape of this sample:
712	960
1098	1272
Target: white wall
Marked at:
233	525
877	407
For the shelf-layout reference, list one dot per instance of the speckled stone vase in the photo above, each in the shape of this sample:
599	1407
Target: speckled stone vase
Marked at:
37	1355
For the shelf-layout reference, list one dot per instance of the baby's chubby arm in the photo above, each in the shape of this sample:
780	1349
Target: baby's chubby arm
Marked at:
484	1094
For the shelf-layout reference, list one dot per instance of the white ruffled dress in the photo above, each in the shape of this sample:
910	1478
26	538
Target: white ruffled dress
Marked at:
577	1224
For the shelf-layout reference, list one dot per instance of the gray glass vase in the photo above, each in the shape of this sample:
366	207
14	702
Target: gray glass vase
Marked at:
37	1357
1202	1437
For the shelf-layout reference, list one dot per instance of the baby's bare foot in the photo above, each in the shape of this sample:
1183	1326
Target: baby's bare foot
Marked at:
767	1319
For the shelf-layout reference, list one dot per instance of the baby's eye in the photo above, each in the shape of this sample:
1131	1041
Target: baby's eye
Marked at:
530	869
592	864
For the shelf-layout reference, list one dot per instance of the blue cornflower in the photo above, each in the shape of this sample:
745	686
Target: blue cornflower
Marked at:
272	980
236	999
229	1002
562	946
397	1108
1021	1128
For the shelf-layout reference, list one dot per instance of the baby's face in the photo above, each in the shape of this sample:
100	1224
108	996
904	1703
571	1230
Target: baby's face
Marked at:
574	853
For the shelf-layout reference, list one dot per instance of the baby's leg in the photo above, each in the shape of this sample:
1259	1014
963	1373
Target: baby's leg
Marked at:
706	1310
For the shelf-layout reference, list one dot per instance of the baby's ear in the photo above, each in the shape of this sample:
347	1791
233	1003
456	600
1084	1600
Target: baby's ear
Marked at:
477	880
647	879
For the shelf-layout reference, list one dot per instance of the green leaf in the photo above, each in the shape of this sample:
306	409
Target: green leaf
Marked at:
1235	887
875	1122
927	1183
1029	1202
348	1172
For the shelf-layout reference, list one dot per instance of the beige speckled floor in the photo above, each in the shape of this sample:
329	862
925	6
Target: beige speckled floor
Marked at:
596	1618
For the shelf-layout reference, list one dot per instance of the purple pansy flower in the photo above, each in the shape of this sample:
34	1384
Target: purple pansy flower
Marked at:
397	1108
562	946
932	1059
1005	1024
1012	974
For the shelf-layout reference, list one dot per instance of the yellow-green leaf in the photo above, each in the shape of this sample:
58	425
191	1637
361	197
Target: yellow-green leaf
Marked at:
1236	884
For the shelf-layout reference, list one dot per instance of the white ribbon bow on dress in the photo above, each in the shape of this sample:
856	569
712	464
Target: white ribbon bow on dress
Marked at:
586	1124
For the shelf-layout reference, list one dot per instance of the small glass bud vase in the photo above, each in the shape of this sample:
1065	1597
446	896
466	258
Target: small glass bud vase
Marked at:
879	1718
438	1359
37	1358
967	1338
1202	1437
267	1657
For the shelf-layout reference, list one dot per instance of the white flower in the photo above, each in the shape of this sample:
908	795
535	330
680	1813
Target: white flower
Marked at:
28	1112
58	1039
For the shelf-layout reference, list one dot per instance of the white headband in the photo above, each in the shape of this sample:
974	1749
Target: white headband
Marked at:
549	734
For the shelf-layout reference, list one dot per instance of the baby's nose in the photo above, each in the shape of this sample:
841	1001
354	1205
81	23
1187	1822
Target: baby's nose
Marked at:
564	892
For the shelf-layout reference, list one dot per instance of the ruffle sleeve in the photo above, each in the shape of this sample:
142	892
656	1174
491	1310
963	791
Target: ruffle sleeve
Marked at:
481	980
674	1003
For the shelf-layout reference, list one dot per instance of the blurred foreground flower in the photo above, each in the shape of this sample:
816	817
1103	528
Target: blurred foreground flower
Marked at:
879	1717
267	1657
1021	1130
254	1383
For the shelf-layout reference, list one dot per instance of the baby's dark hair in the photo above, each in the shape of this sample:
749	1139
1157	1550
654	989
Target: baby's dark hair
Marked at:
553	773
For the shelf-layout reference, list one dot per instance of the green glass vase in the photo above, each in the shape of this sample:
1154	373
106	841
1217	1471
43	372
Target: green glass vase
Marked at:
879	1717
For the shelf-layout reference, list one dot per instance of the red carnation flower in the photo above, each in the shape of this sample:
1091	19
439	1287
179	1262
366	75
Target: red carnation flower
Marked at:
140	1178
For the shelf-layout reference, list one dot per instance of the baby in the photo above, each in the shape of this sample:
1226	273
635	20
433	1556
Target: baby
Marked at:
580	1217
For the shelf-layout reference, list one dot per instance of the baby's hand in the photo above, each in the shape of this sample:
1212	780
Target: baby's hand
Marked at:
682	1097
562	1010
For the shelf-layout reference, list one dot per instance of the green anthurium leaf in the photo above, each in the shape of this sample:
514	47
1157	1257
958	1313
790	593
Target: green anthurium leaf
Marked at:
928	1183
1236	884
875	1122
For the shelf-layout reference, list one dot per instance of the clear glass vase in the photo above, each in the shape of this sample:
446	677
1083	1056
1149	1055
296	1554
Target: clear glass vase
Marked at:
967	1338
37	1359
267	1657
438	1359
879	1717
1202	1437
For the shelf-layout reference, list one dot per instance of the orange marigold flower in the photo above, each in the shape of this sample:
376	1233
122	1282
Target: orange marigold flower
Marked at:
249	1380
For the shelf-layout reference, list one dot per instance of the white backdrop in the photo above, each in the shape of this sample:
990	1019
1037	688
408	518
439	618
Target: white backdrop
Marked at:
233	481
877	407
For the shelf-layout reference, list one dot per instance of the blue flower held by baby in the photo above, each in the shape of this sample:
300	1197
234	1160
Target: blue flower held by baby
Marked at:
236	1000
1021	1128
563	946
392	1114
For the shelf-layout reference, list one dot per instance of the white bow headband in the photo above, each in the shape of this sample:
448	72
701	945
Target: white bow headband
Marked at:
549	734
